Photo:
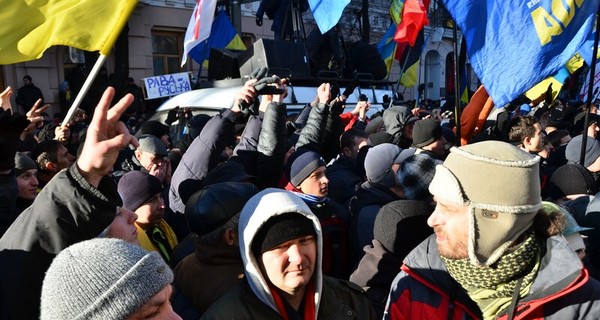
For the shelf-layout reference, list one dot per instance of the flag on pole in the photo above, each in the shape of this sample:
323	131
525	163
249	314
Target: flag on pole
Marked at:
414	17
396	9
410	59
222	35
557	79
31	27
327	13
514	45
199	26
387	47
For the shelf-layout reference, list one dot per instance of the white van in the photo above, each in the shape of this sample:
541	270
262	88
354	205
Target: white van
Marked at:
212	100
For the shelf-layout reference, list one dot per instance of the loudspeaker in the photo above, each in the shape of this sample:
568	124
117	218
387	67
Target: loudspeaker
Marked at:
223	63
283	58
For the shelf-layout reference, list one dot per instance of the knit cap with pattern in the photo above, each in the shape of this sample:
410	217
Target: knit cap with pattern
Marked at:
102	279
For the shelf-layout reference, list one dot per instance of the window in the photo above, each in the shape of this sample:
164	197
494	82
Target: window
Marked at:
167	48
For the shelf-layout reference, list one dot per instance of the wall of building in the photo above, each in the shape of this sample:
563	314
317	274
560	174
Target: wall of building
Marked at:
48	72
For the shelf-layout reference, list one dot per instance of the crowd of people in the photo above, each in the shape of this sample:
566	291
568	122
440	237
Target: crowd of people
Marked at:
329	214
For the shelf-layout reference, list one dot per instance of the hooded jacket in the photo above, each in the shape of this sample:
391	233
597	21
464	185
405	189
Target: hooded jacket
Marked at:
334	299
561	289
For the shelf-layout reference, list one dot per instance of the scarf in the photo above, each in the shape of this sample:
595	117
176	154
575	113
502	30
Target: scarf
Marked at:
492	287
310	199
309	303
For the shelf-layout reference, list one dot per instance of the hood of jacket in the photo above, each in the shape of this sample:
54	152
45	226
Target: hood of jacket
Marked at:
258	210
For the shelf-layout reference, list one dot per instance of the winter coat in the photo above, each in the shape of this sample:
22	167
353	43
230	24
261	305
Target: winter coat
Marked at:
561	289
344	179
375	274
364	207
334	299
201	157
206	275
68	210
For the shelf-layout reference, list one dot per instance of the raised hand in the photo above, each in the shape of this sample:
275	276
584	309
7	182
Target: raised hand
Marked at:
5	99
324	92
105	136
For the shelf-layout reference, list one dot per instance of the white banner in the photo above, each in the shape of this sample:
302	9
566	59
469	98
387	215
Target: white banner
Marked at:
167	85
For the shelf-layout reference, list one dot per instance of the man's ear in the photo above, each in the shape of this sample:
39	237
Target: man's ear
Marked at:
51	166
137	154
346	151
230	237
527	141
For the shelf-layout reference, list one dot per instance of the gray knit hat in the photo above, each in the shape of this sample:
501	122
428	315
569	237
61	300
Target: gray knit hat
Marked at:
500	184
102	279
23	163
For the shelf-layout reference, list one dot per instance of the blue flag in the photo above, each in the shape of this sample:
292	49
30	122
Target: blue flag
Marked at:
513	45
222	35
327	13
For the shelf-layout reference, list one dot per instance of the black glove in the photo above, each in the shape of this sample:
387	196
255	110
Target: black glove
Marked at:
172	116
351	87
259	21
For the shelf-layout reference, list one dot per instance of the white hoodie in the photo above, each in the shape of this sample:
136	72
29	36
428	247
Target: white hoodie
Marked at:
260	208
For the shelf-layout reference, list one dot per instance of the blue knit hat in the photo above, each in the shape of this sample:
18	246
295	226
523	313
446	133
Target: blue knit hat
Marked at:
301	164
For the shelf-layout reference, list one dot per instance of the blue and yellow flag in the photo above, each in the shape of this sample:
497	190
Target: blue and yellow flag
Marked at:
557	79
396	9
514	45
410	58
387	47
222	35
31	27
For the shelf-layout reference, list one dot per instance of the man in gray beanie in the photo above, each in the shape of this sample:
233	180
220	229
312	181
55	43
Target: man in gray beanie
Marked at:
493	255
107	279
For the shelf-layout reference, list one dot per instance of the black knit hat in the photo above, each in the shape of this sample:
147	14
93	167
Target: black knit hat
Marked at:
401	225
136	187
425	132
279	229
571	179
301	164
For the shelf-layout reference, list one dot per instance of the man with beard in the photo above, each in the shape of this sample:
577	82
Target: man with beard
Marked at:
494	254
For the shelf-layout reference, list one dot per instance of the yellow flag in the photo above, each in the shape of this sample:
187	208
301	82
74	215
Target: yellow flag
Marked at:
32	26
556	80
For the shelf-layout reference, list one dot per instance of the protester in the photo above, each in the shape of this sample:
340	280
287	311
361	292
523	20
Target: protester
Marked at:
428	138
26	173
76	205
493	254
107	279
381	165
28	94
51	156
216	266
343	173
142	194
281	246
399	227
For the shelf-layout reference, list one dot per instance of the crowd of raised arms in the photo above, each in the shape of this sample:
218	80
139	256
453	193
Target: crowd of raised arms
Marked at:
254	213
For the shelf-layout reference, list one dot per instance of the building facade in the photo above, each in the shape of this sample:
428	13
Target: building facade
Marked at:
157	28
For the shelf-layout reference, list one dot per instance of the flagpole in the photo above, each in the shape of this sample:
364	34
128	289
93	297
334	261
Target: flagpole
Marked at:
456	82
84	89
402	69
590	89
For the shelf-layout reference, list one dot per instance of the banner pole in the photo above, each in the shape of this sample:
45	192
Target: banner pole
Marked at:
84	89
456	83
590	89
